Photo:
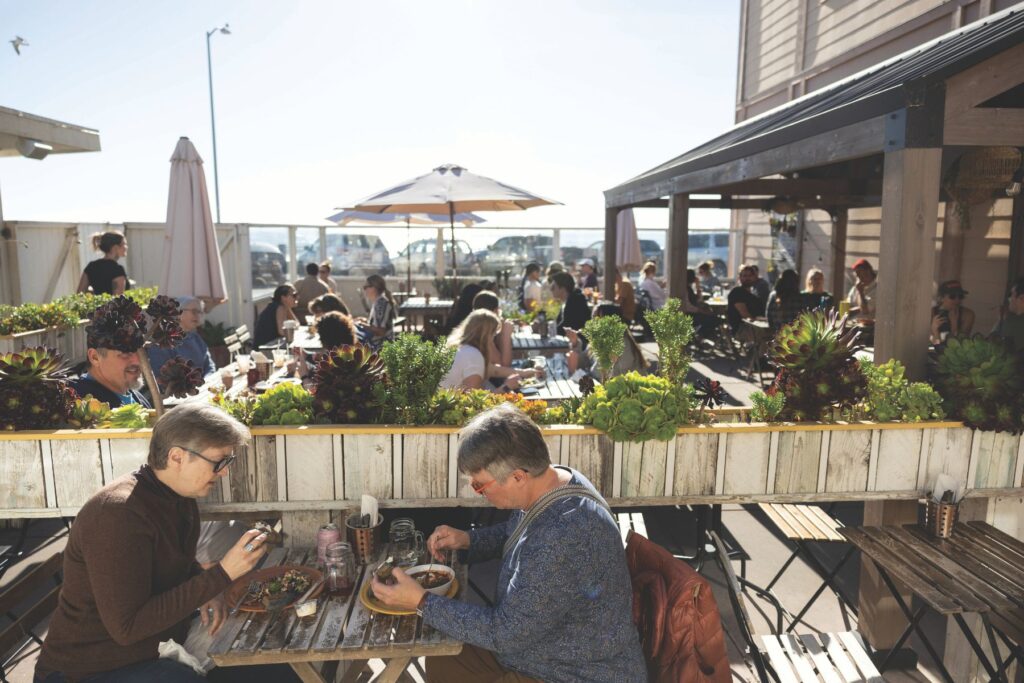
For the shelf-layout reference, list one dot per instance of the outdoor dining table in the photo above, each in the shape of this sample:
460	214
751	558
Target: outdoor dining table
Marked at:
343	629
978	569
417	309
303	338
532	344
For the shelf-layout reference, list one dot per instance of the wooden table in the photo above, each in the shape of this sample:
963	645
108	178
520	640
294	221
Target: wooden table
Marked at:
977	570
532	344
303	338
416	309
342	630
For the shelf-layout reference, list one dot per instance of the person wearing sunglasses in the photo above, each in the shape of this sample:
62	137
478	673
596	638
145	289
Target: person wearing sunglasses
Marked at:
131	579
562	612
949	316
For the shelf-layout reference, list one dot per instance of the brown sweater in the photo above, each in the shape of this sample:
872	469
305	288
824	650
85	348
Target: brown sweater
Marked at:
131	578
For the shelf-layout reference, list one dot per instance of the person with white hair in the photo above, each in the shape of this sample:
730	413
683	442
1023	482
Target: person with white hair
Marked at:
192	347
587	276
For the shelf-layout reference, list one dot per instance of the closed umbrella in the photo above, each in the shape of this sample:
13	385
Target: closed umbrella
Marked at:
191	257
450	189
628	256
347	217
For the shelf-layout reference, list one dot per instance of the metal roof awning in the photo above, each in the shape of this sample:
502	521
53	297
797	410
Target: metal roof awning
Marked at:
850	119
25	134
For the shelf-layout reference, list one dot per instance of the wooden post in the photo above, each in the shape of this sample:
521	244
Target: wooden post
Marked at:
840	216
611	217
678	243
1015	264
879	617
910	202
951	255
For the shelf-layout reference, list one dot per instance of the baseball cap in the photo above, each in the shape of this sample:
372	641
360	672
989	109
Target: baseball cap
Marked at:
862	263
586	262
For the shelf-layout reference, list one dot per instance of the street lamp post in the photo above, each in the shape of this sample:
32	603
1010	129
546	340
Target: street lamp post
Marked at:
213	123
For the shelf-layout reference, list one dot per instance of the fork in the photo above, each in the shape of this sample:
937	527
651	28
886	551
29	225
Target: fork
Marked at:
252	591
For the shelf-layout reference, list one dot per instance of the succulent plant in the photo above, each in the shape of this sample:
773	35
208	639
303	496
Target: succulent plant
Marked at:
413	369
635	407
587	385
710	392
766	407
607	337
343	384
980	382
88	412
673	330
180	377
34	393
128	416
817	367
165	316
118	324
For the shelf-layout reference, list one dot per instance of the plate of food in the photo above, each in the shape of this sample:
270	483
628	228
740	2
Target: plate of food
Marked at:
276	588
438	579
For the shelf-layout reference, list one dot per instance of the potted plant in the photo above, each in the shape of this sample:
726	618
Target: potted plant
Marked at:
213	334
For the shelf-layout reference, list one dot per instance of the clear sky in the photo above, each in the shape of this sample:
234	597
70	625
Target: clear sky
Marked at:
322	103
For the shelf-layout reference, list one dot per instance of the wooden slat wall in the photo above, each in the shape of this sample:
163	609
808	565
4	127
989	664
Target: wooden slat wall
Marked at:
317	473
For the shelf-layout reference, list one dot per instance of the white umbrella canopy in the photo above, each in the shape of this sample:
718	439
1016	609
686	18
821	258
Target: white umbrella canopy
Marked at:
347	217
628	256
191	258
451	188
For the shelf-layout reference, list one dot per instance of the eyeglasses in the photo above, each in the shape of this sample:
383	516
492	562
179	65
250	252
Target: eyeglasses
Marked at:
480	488
218	465
955	295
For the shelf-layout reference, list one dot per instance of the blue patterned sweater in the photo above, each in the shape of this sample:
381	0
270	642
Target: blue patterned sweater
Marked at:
563	610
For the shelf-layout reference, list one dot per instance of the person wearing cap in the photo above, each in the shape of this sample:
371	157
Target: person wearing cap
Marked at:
949	316
863	293
587	277
192	347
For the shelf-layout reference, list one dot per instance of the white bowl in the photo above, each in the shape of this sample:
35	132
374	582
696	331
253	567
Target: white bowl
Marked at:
441	590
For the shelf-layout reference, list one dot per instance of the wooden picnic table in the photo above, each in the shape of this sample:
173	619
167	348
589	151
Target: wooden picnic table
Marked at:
532	344
976	570
342	629
417	310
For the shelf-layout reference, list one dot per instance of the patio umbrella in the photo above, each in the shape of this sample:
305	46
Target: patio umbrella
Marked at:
347	217
191	257
628	256
452	189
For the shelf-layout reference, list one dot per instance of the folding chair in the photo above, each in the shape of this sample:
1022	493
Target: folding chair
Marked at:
802	525
832	656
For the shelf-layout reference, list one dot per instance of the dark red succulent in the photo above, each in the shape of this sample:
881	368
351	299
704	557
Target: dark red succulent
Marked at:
165	330
586	385
118	324
179	377
710	392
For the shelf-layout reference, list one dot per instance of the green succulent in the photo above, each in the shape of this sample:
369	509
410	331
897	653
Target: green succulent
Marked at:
980	382
766	407
284	404
818	371
607	338
635	407
413	369
34	393
673	330
891	396
343	384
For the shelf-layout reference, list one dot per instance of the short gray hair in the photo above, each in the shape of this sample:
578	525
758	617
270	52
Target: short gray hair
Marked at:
196	426
502	440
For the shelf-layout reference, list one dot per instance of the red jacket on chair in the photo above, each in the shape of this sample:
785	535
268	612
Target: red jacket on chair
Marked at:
675	612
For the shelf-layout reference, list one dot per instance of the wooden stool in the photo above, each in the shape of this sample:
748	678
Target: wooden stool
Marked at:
804	524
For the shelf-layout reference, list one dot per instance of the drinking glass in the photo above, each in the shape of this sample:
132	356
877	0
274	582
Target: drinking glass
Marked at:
243	362
280	357
339	569
407	544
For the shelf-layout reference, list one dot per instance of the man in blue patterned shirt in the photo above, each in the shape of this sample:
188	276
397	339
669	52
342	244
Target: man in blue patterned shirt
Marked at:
563	609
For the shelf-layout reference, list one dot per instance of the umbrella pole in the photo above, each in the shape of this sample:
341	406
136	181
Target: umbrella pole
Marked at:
408	257
455	262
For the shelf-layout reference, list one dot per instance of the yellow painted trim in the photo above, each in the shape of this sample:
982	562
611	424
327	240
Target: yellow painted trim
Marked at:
548	430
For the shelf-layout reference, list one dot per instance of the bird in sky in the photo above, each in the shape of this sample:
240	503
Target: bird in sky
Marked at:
17	43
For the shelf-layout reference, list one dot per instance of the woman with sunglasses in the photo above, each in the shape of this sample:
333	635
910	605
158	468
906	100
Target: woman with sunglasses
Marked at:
380	326
270	323
950	317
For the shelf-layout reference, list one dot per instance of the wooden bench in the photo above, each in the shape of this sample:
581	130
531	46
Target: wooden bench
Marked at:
14	637
803	525
836	657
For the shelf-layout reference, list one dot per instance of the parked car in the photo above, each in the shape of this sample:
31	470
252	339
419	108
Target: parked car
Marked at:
269	266
709	245
420	256
649	248
513	252
350	254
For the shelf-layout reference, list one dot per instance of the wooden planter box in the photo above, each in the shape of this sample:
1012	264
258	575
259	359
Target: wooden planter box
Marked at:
70	342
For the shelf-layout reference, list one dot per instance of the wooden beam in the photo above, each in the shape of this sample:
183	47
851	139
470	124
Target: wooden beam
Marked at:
910	205
611	217
856	140
679	241
792	186
985	127
977	84
840	217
